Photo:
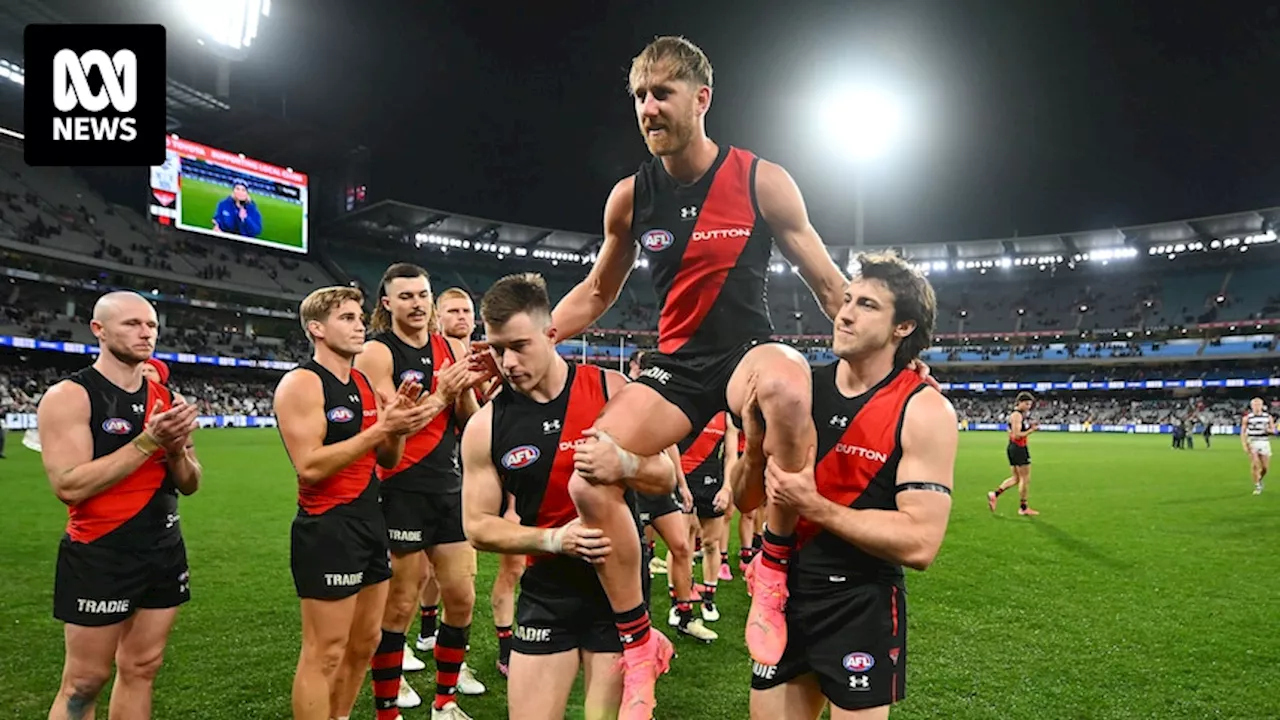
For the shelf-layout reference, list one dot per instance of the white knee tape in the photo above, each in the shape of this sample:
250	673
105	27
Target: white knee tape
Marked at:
630	461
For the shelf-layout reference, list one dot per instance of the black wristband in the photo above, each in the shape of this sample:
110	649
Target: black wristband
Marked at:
929	486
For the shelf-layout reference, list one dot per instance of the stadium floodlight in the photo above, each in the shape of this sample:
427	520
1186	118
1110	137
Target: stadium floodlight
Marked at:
863	121
12	72
232	24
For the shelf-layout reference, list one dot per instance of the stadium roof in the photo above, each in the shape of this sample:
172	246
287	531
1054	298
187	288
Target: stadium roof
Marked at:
404	222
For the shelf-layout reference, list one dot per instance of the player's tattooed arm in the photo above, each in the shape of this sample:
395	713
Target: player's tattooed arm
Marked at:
67	447
912	534
783	208
482	492
590	299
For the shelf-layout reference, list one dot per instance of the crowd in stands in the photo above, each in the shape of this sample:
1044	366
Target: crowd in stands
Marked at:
1108	410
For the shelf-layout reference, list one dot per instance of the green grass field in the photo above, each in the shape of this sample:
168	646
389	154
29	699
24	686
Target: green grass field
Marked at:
1147	589
281	220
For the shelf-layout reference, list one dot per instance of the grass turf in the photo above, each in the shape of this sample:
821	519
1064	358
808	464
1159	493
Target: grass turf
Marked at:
281	219
1145	590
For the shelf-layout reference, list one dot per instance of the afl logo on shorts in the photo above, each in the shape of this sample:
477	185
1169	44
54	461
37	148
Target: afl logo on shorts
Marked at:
412	376
521	457
341	414
858	662
657	240
117	426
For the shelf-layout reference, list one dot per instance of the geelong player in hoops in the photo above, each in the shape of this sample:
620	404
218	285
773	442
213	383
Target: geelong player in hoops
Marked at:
117	450
1020	428
528	442
422	494
1256	430
336	429
873	496
706	216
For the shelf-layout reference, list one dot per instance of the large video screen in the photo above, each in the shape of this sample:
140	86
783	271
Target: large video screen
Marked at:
206	190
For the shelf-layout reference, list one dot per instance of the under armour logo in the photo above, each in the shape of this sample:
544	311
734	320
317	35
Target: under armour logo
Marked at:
839	421
426	361
859	682
139	408
353	398
688	212
550	426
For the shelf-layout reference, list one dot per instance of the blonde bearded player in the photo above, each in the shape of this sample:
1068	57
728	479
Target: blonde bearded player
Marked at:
422	494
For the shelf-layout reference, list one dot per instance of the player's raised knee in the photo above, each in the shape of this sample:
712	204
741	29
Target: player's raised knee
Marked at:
591	500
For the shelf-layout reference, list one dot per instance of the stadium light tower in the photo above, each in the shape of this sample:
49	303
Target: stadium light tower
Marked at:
863	121
231	24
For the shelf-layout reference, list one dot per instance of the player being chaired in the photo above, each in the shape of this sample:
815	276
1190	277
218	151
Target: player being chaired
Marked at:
1256	430
336	429
874	496
117	450
1020	426
706	217
528	442
422	493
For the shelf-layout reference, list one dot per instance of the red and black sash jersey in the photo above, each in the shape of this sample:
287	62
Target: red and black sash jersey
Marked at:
859	448
430	463
532	446
140	511
1026	425
702	453
349	409
708	249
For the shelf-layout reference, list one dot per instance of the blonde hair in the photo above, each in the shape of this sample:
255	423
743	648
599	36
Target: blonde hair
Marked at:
453	292
381	320
681	58
317	306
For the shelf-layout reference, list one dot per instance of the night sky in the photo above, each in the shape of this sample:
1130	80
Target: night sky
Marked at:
1028	116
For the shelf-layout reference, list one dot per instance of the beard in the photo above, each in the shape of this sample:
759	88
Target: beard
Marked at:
678	133
126	355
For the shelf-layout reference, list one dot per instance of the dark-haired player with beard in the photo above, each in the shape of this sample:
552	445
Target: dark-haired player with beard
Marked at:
117	450
337	428
528	442
422	494
873	496
706	216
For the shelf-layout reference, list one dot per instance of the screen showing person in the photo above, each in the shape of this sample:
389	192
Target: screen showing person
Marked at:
238	213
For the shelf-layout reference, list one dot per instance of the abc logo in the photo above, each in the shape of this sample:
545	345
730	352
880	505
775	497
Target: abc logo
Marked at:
858	662
412	376
521	457
117	426
341	414
657	240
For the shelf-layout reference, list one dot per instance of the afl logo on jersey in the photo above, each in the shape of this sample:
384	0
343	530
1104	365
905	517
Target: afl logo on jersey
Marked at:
412	376
657	240
341	414
521	457
117	426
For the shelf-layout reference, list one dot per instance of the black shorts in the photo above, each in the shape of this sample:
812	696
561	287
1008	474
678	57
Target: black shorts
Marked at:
338	553
562	607
704	488
852	638
417	521
1019	455
695	385
95	585
652	507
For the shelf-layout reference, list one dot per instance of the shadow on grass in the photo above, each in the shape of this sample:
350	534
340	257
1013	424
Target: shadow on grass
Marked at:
1084	549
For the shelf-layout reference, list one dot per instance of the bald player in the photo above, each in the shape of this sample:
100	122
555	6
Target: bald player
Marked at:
117	450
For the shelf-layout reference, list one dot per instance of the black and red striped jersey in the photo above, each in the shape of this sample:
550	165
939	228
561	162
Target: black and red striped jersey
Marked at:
430	463
708	250
702	453
349	409
859	448
140	511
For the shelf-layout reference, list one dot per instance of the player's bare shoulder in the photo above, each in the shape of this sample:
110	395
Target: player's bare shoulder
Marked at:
614	380
930	412
477	436
297	384
620	206
64	399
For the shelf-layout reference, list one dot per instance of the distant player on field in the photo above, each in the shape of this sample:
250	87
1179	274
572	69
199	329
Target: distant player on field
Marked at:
1020	426
526	444
1256	430
874	495
336	429
117	450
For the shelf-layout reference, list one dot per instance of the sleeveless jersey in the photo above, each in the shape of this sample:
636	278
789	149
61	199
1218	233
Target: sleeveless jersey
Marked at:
349	409
859	448
1022	441
701	453
708	250
1257	426
141	511
430	463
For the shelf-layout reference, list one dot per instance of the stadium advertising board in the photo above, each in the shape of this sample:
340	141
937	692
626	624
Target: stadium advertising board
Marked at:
214	192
